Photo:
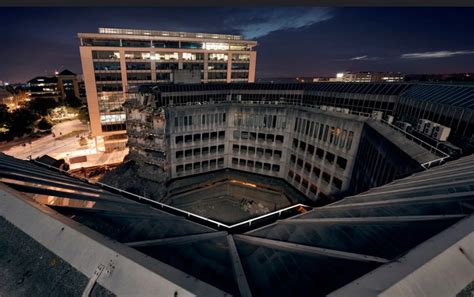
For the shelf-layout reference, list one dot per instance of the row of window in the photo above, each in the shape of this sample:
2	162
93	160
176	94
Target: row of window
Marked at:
200	137
167	56
326	178
113	127
259	120
204	165
204	119
270	138
311	150
325	133
260	152
250	164
198	152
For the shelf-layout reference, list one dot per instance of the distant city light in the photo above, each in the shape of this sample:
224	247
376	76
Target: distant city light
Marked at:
340	75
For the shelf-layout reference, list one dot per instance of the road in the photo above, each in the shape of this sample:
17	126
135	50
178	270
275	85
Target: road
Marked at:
48	145
62	148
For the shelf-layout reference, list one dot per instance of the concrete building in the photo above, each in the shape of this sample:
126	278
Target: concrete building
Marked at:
277	130
116	60
368	76
413	237
59	87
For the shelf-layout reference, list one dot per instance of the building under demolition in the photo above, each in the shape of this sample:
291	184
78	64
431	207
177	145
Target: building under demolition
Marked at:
261	190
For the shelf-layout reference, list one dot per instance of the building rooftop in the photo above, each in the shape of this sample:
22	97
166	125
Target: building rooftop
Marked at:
168	33
146	248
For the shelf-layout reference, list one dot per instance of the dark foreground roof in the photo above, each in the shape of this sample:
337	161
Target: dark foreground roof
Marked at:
312	254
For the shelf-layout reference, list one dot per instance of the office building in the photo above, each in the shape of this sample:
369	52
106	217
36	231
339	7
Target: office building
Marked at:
368	76
61	86
116	60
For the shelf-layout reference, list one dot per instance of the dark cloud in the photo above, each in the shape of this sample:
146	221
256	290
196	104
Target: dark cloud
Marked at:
293	41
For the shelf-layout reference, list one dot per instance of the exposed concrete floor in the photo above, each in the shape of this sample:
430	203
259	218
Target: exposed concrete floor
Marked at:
29	269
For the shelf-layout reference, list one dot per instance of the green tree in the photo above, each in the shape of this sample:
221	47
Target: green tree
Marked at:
45	124
73	102
42	105
83	115
22	121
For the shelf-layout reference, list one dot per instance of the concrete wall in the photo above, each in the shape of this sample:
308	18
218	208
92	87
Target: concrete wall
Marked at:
258	139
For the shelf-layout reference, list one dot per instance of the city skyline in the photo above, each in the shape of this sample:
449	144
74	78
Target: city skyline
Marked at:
305	41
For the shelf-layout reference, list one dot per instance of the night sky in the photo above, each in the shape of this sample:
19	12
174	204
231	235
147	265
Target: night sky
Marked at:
292	41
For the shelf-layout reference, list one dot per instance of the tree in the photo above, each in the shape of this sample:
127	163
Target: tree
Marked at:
22	121
74	102
83	141
83	115
42	105
45	124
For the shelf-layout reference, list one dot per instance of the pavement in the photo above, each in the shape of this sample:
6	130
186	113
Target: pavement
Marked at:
64	148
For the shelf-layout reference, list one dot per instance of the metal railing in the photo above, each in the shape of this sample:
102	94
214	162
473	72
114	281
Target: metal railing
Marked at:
173	210
442	155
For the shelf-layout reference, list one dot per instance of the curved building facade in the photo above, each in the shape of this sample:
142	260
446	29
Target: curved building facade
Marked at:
272	130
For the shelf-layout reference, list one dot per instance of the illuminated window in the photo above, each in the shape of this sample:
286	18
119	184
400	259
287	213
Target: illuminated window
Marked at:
164	56
192	56
218	57
216	46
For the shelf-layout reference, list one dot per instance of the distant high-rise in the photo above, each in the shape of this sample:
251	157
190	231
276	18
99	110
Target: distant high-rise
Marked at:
114	60
367	76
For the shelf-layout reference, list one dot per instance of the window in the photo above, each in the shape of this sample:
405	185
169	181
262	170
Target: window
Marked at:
330	157
297	178
341	162
188	138
295	143
304	183
337	183
220	148
213	164
213	135
313	189
268	153
197	137
242	162
205	151
293	159
258	165
235	161
302	146
250	164
179	168
267	166
326	177
279	139
197	152
310	149
179	154
188	153
213	149
251	150
307	168
277	154
349	140
243	149
320	153
221	134
291	174
259	152
299	163
179	139
205	136
316	172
